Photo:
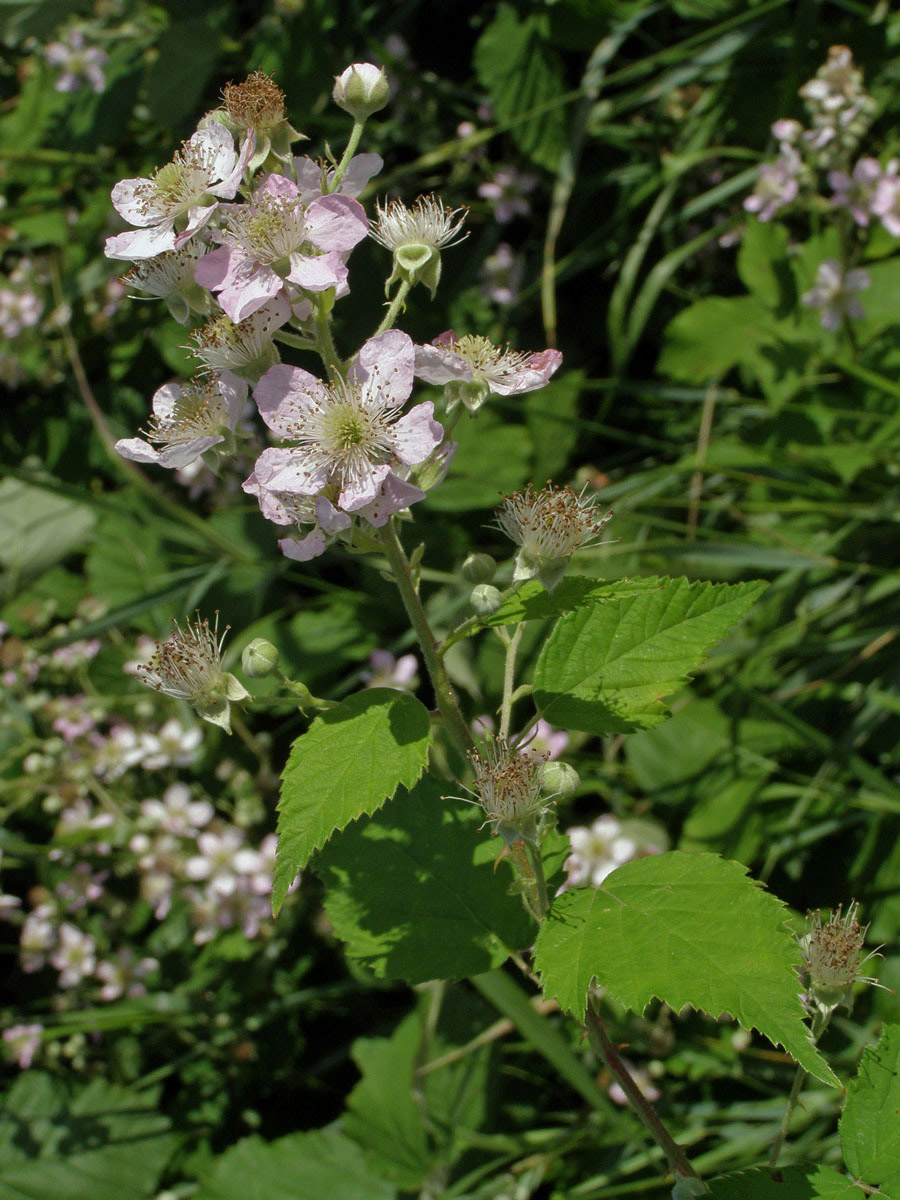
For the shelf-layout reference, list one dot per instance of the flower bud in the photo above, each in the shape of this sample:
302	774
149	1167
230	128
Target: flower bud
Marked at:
485	599
260	658
361	90
559	779
478	568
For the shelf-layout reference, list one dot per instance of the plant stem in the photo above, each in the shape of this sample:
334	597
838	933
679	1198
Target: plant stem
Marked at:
675	1156
512	645
819	1025
355	135
395	307
325	344
443	692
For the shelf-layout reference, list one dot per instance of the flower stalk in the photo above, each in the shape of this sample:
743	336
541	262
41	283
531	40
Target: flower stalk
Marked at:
443	692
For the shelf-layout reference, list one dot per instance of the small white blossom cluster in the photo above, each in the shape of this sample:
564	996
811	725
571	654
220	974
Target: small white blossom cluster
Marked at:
607	843
21	304
78	63
250	245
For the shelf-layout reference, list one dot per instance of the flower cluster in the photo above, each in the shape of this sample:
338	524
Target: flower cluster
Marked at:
250	246
607	843
21	305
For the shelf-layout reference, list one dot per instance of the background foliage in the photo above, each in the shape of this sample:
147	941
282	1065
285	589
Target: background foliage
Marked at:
736	439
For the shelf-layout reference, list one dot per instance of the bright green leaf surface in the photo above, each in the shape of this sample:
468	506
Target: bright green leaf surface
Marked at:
688	929
301	1166
93	1142
521	72
532	601
704	342
37	529
605	669
801	1182
414	894
870	1125
351	759
383	1115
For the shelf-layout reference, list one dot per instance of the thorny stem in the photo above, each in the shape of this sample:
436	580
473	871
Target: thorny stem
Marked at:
443	692
395	307
512	645
355	135
819	1025
600	1041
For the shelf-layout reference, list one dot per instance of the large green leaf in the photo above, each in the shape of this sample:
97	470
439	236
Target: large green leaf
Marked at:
870	1125
37	529
88	1142
383	1115
604	669
688	929
351	759
802	1182
705	341
523	76
414	894
532	602
301	1166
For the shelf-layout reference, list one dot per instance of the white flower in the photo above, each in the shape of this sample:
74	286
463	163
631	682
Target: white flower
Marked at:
23	1042
351	443
188	666
170	276
171	206
188	419
171	746
123	976
176	813
80	63
222	858
243	347
597	851
475	368
833	293
75	956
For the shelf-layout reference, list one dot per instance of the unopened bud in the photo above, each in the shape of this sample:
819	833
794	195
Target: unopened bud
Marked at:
485	599
559	779
479	568
260	658
361	90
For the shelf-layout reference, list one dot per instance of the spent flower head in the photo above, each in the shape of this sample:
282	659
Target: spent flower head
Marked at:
508	786
831	953
548	526
188	666
416	235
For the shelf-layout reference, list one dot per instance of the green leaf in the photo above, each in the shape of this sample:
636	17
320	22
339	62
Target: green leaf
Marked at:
351	759
762	263
688	929
414	894
494	457
801	1182
523	75
870	1125
186	55
383	1115
605	669
301	1166
85	1142
37	529
708	339
532	602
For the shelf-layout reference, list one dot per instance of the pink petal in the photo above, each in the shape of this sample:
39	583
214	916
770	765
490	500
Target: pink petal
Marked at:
439	365
127	201
336	223
331	519
211	271
137	450
303	549
417	434
315	274
394	495
361	490
285	393
385	365
286	471
360	170
138	244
